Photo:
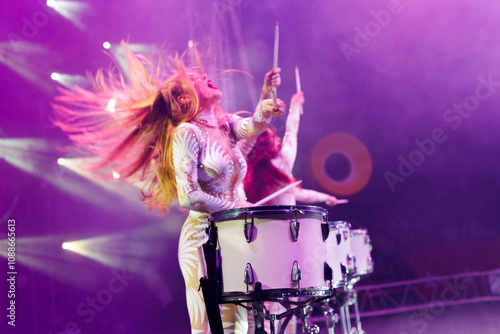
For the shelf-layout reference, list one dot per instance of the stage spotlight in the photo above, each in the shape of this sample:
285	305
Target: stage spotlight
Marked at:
68	246
69	80
111	105
71	10
116	176
106	45
52	4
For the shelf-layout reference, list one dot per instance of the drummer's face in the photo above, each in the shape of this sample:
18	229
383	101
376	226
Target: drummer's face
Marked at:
205	88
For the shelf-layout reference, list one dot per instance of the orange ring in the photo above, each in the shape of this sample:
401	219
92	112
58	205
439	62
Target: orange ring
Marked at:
356	153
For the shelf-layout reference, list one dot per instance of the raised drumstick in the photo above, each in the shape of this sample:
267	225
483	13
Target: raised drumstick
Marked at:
275	62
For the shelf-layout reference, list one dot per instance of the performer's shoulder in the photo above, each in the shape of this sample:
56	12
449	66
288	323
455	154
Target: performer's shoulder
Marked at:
186	128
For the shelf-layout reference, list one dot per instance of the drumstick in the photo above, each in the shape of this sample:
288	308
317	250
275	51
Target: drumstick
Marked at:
275	62
297	79
279	192
297	83
342	201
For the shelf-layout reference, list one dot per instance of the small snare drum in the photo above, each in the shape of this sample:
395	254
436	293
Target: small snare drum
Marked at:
343	236
361	249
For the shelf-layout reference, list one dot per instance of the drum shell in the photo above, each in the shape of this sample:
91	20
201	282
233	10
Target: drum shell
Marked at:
342	232
361	248
272	251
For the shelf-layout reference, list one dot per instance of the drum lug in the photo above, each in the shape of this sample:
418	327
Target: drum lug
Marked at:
325	231
294	229
248	229
343	269
328	272
351	262
248	275
296	273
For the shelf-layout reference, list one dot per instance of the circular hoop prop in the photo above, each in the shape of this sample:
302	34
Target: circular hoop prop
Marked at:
354	151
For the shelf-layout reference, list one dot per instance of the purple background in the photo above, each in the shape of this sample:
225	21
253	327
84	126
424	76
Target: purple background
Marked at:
396	89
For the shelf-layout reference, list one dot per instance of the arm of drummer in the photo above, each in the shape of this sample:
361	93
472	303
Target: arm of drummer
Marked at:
248	127
253	126
311	196
288	153
186	150
271	79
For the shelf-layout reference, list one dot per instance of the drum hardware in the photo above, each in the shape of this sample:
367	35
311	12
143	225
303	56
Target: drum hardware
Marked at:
248	276
344	269
345	318
328	273
296	274
351	262
331	318
248	229
294	227
305	314
325	231
356	310
258	308
261	313
210	285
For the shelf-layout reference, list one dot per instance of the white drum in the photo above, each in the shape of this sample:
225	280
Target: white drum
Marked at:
361	249
344	238
333	254
282	247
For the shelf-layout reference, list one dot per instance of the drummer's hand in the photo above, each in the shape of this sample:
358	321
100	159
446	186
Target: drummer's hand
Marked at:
298	98
268	108
331	201
271	79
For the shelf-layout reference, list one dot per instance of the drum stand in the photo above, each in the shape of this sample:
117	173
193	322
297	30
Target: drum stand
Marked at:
350	298
331	317
302	308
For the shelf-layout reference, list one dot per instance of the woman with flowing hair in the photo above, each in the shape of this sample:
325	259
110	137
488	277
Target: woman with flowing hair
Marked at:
164	127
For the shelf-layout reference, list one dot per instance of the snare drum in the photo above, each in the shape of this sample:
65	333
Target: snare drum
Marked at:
343	234
361	249
282	247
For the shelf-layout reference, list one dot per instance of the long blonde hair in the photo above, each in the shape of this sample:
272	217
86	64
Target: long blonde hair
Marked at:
134	138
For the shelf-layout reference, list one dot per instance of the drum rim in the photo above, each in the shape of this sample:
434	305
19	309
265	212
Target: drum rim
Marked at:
269	209
271	294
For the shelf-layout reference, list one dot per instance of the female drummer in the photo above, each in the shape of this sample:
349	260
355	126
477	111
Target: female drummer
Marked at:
172	134
270	165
